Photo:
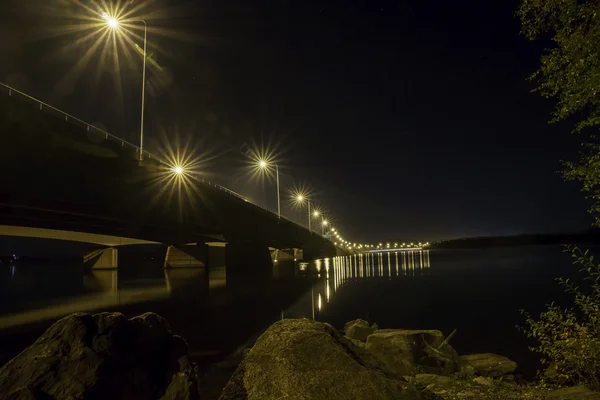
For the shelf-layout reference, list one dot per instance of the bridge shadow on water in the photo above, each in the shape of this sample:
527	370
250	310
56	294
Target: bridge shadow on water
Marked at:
218	312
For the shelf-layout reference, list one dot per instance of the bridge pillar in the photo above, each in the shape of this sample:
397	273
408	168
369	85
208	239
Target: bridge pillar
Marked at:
248	260
278	255
217	270
194	256
107	258
298	254
317	248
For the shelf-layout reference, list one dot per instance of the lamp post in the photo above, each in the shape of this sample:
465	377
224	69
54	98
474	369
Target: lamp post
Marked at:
263	164
300	199
323	221
113	23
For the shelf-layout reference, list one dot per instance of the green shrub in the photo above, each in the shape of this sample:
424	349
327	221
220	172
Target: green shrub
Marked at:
569	338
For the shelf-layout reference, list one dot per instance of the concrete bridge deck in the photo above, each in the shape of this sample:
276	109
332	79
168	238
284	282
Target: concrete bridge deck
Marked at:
61	175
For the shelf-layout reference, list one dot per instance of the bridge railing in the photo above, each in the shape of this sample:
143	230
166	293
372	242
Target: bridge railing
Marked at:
12	92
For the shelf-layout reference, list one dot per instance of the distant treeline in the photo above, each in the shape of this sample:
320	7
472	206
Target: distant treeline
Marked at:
590	237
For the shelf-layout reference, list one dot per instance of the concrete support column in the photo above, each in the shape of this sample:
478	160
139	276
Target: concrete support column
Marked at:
193	256
278	255
107	258
217	270
298	254
247	262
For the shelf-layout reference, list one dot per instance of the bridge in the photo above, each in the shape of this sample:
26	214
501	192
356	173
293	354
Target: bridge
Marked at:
65	179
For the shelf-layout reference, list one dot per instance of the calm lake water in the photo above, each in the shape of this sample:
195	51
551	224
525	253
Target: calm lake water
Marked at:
478	292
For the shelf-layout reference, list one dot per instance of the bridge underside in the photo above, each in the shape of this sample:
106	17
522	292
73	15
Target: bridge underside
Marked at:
240	260
71	236
66	178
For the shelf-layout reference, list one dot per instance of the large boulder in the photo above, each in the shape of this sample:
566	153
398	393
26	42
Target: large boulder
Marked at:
490	364
408	352
358	329
103	356
303	359
357	321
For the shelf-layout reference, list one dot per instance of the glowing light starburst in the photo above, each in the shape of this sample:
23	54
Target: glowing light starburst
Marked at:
104	39
182	165
263	164
300	199
111	21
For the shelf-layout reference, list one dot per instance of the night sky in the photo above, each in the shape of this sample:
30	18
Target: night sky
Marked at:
405	119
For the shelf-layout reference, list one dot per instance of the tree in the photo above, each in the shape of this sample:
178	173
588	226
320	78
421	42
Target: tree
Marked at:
569	338
570	72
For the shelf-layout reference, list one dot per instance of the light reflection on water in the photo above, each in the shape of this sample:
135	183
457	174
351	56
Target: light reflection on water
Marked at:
332	274
219	312
99	290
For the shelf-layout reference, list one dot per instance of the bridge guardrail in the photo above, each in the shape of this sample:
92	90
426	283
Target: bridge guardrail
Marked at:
12	92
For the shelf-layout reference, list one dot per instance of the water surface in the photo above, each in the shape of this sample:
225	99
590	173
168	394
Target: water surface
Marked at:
478	292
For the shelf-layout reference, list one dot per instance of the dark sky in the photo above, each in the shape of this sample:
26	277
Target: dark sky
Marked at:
406	119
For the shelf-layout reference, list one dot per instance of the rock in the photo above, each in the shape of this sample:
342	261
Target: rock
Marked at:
437	384
411	351
428	379
182	387
357	342
465	370
573	393
508	378
359	331
303	359
482	380
489	364
103	356
358	321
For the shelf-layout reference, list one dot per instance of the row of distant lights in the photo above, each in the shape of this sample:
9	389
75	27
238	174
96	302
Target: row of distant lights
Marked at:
345	243
339	239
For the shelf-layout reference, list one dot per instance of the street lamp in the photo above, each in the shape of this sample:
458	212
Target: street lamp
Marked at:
300	199
324	222
113	23
263	164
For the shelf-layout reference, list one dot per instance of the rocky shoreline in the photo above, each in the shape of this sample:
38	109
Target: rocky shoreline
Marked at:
107	356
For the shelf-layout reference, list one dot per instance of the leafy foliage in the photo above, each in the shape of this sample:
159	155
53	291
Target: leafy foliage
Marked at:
587	171
570	72
569	339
